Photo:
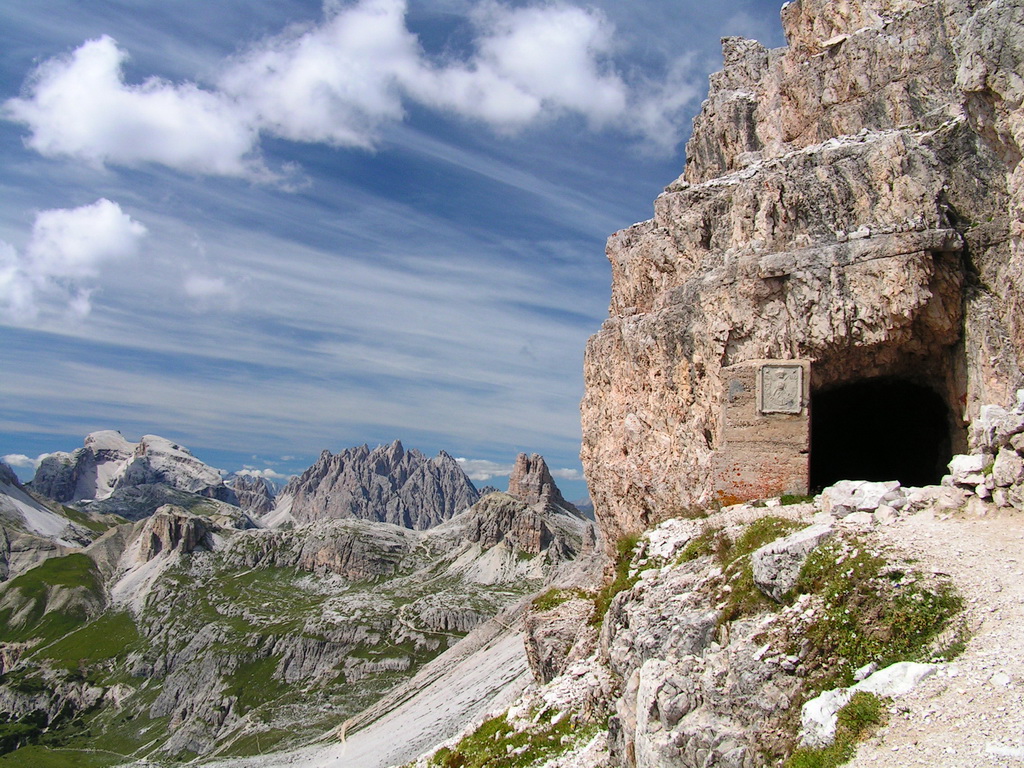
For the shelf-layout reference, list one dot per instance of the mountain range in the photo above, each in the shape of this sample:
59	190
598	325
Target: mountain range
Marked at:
150	610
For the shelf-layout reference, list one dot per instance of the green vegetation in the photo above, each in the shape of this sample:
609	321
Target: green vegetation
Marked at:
707	543
873	612
554	597
29	618
110	636
622	579
498	744
787	499
856	720
15	733
743	598
89	522
41	757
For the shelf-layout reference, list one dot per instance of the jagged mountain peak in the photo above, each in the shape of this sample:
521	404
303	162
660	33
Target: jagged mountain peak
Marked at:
389	483
532	483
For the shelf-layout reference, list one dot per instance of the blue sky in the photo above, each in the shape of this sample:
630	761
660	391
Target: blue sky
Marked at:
263	229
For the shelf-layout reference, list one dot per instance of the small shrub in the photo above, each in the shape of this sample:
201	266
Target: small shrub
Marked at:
788	499
708	542
871	611
743	597
498	744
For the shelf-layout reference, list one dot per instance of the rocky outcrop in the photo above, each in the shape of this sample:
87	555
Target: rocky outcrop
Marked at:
88	472
30	531
255	494
387	484
355	549
500	517
140	501
107	463
559	636
531	482
172	529
853	202
776	566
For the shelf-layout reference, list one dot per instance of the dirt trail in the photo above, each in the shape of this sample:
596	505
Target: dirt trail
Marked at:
972	713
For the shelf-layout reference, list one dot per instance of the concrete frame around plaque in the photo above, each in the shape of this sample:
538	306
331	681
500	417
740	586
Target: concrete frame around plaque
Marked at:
780	389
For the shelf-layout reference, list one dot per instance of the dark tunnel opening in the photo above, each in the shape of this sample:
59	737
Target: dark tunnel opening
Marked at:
879	429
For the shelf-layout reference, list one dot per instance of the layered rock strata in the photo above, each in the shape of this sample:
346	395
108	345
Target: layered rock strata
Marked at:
851	203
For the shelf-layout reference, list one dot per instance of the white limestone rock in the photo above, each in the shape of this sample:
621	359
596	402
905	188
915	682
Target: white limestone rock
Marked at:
818	717
849	496
1008	468
968	470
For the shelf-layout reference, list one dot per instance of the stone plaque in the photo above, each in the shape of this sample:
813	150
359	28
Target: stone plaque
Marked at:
782	389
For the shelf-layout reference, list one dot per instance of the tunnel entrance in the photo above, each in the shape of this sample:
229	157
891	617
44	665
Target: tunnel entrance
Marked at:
879	429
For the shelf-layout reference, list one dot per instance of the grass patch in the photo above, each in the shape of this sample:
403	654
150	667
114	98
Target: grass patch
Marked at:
788	499
622	580
709	542
743	598
91	523
554	597
34	587
872	612
254	683
41	757
497	744
856	720
109	637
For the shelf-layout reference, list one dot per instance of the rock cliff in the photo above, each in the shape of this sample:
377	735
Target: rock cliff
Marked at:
851	203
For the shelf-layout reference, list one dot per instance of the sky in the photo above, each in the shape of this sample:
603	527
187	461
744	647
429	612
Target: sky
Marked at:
265	229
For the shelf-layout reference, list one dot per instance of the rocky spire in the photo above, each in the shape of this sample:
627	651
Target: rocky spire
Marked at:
532	483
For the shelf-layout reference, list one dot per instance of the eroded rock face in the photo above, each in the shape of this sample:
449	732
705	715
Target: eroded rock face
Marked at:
853	200
172	529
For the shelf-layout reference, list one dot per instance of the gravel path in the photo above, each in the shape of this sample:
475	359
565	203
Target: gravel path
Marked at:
972	713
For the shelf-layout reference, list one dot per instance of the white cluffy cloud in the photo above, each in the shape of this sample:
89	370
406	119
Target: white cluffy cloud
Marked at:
481	470
80	106
341	82
567	474
21	461
266	474
62	259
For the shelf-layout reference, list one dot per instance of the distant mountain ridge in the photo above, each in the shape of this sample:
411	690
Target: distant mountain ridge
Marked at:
108	463
386	484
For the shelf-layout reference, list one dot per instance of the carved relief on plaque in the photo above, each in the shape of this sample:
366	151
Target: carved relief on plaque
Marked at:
781	389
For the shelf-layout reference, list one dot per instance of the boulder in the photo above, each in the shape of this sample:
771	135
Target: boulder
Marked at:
1008	468
819	716
777	565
